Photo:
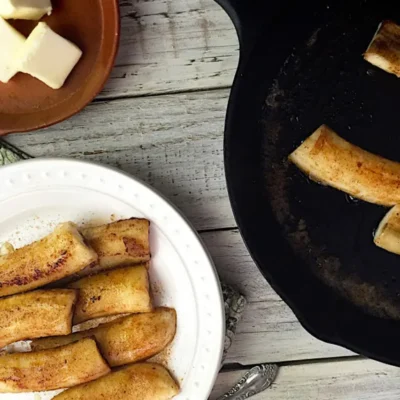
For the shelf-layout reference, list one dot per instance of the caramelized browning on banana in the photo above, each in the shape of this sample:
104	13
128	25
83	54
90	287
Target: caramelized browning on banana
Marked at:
327	158
384	50
56	256
36	314
57	368
140	381
119	244
125	340
124	290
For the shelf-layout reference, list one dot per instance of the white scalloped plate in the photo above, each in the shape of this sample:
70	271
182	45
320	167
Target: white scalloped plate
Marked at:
37	194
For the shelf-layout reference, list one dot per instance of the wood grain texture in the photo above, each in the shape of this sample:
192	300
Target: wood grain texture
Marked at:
269	331
171	46
173	142
355	379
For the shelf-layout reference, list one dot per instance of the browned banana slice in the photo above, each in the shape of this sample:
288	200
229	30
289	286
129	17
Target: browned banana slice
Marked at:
387	236
36	314
140	381
384	50
327	158
119	244
52	369
56	256
125	340
124	290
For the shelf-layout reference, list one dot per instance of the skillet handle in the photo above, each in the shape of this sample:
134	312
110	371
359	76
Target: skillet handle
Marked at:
250	18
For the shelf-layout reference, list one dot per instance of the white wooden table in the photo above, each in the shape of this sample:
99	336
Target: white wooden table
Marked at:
161	118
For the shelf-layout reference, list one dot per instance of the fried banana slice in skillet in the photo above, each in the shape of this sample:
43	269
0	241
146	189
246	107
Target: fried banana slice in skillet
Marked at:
58	368
145	381
36	314
123	290
125	340
384	49
54	257
119	244
327	158
387	236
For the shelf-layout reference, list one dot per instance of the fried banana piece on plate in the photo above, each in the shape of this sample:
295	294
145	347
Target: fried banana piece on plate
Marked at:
52	369
6	248
384	49
387	236
145	381
119	244
123	290
125	340
54	257
327	158
36	314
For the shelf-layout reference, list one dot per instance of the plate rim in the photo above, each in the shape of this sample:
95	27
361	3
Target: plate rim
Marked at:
84	163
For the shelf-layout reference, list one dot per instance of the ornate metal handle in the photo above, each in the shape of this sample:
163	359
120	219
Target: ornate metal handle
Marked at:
253	382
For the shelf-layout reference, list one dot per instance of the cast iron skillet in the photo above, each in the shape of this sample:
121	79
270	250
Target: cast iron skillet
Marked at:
301	66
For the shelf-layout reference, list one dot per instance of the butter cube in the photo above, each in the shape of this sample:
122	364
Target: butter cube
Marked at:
48	56
11	41
25	9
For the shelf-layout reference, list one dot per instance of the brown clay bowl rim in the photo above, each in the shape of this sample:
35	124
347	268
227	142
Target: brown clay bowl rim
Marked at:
100	84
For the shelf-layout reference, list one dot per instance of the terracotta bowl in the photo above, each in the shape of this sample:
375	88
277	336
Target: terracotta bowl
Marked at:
27	104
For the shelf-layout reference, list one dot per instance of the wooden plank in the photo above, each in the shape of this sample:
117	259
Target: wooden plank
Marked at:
352	379
236	267
269	331
173	142
171	46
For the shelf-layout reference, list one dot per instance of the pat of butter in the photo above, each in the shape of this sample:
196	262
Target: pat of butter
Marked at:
25	9
10	43
48	56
